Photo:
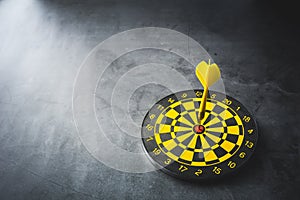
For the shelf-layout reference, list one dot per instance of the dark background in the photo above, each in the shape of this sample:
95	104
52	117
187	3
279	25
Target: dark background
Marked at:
42	44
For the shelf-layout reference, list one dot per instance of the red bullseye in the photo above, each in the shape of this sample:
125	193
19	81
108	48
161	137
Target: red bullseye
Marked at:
199	129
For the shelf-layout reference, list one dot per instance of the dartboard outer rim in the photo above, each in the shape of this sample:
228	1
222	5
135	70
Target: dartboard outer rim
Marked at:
211	177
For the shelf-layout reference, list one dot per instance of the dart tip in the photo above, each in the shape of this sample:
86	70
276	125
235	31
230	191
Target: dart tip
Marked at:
201	116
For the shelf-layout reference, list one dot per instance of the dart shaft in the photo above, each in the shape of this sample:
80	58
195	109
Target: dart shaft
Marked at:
203	104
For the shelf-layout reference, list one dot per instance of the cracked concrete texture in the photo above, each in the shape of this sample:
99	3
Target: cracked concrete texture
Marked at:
42	46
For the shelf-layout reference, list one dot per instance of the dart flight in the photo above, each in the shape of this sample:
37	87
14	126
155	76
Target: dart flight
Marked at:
207	74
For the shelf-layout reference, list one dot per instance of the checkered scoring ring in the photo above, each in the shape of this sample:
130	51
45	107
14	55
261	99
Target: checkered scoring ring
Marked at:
174	134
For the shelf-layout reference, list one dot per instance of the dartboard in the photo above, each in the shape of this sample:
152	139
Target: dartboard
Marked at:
182	145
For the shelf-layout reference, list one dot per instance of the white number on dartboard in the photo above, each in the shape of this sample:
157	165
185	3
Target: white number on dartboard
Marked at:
149	138
152	116
249	144
171	100
246	118
149	127
217	170
242	155
227	101
156	151
231	164
213	96
198	172
198	94
168	161
160	107
182	168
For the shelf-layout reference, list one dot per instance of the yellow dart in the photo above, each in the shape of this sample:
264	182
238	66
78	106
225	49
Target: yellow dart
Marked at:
207	74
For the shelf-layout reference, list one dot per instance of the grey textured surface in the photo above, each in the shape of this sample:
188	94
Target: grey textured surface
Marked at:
42	46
